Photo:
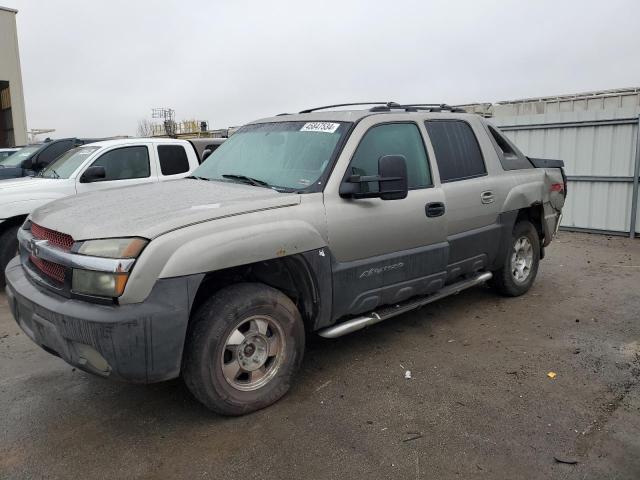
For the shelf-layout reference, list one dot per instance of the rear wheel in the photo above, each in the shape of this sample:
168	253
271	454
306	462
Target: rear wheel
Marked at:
8	250
520	265
245	345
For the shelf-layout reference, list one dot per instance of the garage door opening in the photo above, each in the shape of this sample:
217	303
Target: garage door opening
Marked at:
7	138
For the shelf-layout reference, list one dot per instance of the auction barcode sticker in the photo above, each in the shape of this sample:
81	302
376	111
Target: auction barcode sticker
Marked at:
326	127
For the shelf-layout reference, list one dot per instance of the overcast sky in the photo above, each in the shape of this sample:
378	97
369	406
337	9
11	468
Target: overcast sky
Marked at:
94	68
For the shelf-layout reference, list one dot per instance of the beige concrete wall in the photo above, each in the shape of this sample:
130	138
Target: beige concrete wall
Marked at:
10	71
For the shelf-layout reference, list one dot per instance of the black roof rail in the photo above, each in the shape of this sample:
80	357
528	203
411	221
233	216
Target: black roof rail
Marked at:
309	110
388	106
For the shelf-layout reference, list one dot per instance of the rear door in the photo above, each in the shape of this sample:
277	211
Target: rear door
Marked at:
385	251
472	196
173	161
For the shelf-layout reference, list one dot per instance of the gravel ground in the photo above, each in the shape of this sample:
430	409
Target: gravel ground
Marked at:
479	403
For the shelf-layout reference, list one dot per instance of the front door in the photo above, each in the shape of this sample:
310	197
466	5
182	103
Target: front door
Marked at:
385	251
124	166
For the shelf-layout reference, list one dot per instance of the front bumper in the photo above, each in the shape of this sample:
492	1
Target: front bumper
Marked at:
140	342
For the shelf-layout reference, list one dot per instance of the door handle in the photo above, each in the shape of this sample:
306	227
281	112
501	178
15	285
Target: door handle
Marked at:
487	197
434	209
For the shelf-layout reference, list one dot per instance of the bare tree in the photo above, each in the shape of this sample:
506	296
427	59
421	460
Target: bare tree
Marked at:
145	128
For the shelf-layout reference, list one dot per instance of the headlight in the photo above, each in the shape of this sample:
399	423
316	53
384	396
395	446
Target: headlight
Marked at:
113	247
102	283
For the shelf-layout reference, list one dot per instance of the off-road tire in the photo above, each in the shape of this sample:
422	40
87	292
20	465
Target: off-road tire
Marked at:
503	280
8	250
211	326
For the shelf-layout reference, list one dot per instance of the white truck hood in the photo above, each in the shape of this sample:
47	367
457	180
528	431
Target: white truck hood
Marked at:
26	184
32	192
153	209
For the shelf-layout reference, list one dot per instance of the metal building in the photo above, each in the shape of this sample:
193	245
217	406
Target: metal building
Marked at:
13	122
597	136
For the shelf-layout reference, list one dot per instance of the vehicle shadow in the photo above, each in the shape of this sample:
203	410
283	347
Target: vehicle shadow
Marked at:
171	402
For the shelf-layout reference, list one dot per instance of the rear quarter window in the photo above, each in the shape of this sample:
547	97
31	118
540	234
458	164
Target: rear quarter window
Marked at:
510	157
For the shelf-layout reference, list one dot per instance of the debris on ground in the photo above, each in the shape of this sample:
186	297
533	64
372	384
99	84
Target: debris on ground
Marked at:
552	374
568	461
407	374
414	436
323	386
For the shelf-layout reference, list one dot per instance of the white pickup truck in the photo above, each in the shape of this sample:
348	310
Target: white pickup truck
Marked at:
88	168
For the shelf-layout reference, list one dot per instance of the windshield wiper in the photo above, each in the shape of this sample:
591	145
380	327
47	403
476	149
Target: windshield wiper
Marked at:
198	178
251	181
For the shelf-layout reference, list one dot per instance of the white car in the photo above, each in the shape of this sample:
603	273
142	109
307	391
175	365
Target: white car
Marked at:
88	168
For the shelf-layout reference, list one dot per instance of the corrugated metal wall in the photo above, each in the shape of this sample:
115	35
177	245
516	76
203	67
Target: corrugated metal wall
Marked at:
597	137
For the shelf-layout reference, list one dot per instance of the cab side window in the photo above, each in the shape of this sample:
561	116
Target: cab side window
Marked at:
392	139
125	163
458	153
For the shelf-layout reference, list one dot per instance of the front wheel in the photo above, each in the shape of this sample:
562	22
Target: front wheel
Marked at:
520	265
244	347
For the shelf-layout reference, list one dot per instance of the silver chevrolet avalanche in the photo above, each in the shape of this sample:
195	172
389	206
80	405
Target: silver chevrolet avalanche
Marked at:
324	221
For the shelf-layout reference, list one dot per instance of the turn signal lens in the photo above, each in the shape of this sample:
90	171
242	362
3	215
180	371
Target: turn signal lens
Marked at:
113	247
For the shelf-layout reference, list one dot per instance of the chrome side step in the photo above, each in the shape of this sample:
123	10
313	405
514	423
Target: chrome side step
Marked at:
372	318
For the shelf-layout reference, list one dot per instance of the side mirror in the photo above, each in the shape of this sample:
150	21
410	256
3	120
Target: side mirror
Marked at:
391	179
392	170
206	153
26	164
94	173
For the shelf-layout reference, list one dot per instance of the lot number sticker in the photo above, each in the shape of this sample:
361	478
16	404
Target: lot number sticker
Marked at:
325	127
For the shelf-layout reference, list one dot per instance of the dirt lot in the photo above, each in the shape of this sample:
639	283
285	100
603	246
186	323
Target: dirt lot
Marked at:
479	403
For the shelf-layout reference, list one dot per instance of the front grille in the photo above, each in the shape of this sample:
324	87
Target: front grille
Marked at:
52	270
57	239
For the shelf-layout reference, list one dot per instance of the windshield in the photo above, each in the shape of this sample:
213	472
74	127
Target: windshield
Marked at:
68	162
16	159
281	155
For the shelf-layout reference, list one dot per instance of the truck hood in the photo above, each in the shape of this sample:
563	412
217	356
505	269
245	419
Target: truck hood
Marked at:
152	209
20	196
23	183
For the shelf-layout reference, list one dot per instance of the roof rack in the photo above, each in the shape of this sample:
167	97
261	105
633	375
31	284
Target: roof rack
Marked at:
388	106
414	107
